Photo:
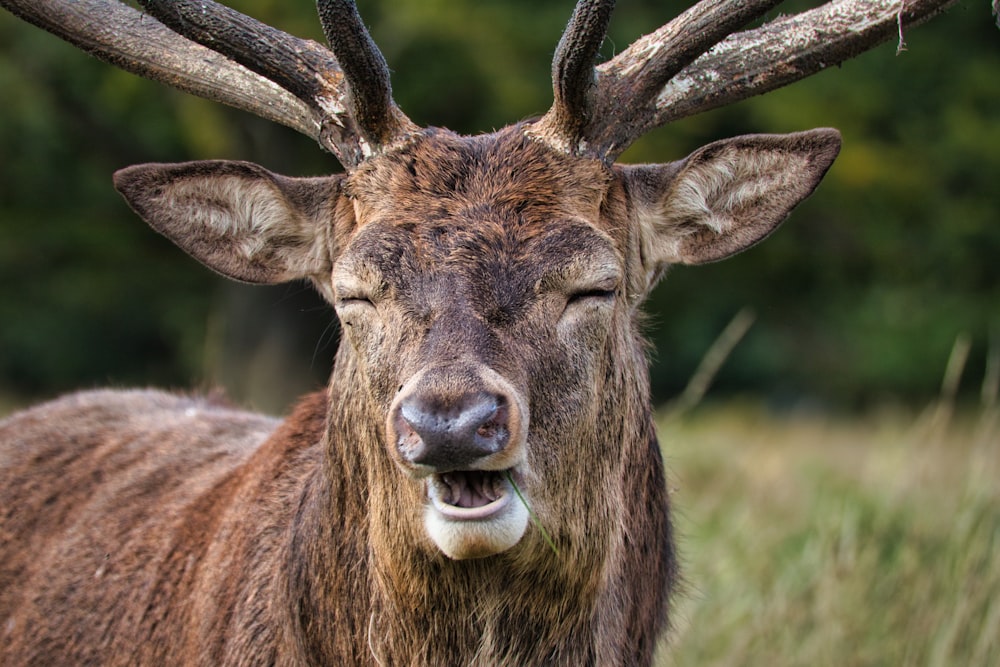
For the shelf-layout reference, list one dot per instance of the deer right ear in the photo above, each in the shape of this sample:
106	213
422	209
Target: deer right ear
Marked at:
237	218
726	196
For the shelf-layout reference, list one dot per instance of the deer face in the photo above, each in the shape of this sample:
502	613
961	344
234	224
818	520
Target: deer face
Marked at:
486	287
479	276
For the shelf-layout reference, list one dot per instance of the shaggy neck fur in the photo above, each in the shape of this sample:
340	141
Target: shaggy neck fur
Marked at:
588	604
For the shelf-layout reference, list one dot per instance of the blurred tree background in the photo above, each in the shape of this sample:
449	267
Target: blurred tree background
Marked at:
858	298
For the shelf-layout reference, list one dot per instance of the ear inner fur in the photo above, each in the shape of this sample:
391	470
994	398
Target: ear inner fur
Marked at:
237	218
726	196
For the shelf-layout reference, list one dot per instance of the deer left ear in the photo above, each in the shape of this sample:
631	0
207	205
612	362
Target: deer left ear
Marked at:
238	218
726	196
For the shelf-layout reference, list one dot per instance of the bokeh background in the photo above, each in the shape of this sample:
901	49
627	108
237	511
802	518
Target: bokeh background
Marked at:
858	300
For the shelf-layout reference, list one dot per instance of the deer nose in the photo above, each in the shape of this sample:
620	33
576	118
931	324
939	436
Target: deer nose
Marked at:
451	434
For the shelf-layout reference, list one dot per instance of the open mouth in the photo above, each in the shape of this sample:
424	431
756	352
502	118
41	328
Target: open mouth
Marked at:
473	513
468	495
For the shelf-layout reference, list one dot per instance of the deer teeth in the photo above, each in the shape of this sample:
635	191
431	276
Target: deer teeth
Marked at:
470	488
453	489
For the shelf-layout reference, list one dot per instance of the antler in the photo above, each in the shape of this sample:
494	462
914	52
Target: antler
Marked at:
122	36
366	70
215	52
573	69
695	63
343	98
655	60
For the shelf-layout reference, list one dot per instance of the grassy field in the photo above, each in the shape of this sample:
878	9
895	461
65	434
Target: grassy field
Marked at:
809	540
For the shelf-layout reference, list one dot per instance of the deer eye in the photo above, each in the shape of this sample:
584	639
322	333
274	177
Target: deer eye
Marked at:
353	298
353	309
594	293
355	301
355	293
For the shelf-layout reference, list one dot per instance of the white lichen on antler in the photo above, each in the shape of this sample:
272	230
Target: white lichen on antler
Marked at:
785	50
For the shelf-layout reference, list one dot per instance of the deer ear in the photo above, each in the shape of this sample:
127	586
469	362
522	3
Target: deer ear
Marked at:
726	196
238	218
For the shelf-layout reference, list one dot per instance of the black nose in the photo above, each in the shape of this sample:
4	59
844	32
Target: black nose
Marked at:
451	434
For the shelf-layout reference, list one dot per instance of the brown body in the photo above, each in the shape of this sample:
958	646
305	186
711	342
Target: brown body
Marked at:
141	527
196	549
183	531
489	290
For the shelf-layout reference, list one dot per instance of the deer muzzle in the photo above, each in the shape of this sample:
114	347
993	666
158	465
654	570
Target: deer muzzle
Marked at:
462	432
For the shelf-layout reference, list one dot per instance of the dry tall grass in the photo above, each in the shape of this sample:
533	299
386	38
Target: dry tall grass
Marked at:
817	541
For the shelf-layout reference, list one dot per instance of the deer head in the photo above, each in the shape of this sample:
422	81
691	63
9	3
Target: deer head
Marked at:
488	286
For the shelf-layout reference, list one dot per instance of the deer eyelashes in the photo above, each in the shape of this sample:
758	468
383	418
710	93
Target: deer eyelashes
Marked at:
591	295
589	286
354	300
583	301
362	300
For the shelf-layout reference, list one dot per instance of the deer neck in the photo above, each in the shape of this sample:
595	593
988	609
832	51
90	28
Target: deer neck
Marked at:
409	601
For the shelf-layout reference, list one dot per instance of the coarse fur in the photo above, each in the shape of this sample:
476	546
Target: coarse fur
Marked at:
145	528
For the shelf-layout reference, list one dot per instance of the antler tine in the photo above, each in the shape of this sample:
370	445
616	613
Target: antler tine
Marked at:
124	37
306	69
665	80
786	50
581	118
366	71
573	75
639	72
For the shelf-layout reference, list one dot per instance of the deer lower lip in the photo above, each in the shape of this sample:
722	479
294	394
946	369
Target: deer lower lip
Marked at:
470	495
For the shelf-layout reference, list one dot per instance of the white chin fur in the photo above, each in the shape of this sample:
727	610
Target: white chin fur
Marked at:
477	538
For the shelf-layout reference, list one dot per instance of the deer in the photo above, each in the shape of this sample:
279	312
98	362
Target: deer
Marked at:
481	482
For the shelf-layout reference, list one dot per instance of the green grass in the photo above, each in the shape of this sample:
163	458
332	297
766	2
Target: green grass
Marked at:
814	541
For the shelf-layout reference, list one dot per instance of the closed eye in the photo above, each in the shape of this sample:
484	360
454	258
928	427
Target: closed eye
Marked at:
354	294
354	310
353	305
591	294
355	301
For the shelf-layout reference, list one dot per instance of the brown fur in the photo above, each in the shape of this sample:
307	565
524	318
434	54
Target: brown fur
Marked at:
142	528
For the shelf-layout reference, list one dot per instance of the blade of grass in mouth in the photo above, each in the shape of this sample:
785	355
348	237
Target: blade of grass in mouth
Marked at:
531	513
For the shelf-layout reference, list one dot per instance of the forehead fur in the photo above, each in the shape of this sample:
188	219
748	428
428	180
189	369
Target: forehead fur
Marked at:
483	220
443	178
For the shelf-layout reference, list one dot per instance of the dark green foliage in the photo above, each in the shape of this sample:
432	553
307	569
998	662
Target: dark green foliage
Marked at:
859	296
